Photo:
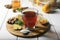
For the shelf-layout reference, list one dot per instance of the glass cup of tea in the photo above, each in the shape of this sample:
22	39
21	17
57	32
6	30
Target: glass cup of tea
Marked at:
30	17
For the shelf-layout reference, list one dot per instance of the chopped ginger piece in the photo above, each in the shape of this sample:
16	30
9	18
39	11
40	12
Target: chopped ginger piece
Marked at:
15	26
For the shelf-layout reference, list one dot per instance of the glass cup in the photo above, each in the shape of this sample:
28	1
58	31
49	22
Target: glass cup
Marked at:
16	4
30	17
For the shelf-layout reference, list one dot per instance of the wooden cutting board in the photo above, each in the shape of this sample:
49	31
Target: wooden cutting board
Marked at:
31	34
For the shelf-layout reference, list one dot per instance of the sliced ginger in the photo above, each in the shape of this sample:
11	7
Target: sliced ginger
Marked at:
15	26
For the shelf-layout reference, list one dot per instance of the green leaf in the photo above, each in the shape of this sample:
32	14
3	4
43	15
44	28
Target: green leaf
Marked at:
19	22
19	9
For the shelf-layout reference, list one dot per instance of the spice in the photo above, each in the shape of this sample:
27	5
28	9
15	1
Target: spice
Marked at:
8	6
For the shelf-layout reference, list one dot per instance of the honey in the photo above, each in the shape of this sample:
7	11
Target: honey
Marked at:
16	4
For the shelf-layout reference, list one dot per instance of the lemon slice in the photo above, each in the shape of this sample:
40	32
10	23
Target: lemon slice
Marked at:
43	21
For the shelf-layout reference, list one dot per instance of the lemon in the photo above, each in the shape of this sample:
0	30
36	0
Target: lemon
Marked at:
43	21
46	8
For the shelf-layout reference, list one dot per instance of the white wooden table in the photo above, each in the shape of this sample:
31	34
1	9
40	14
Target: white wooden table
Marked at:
5	14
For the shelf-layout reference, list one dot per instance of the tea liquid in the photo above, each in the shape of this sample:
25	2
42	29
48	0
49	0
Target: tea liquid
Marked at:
29	18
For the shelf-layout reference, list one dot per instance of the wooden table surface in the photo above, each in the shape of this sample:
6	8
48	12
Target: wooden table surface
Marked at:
5	14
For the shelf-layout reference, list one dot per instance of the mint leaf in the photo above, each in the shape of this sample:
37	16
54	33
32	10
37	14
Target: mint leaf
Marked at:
19	9
19	22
